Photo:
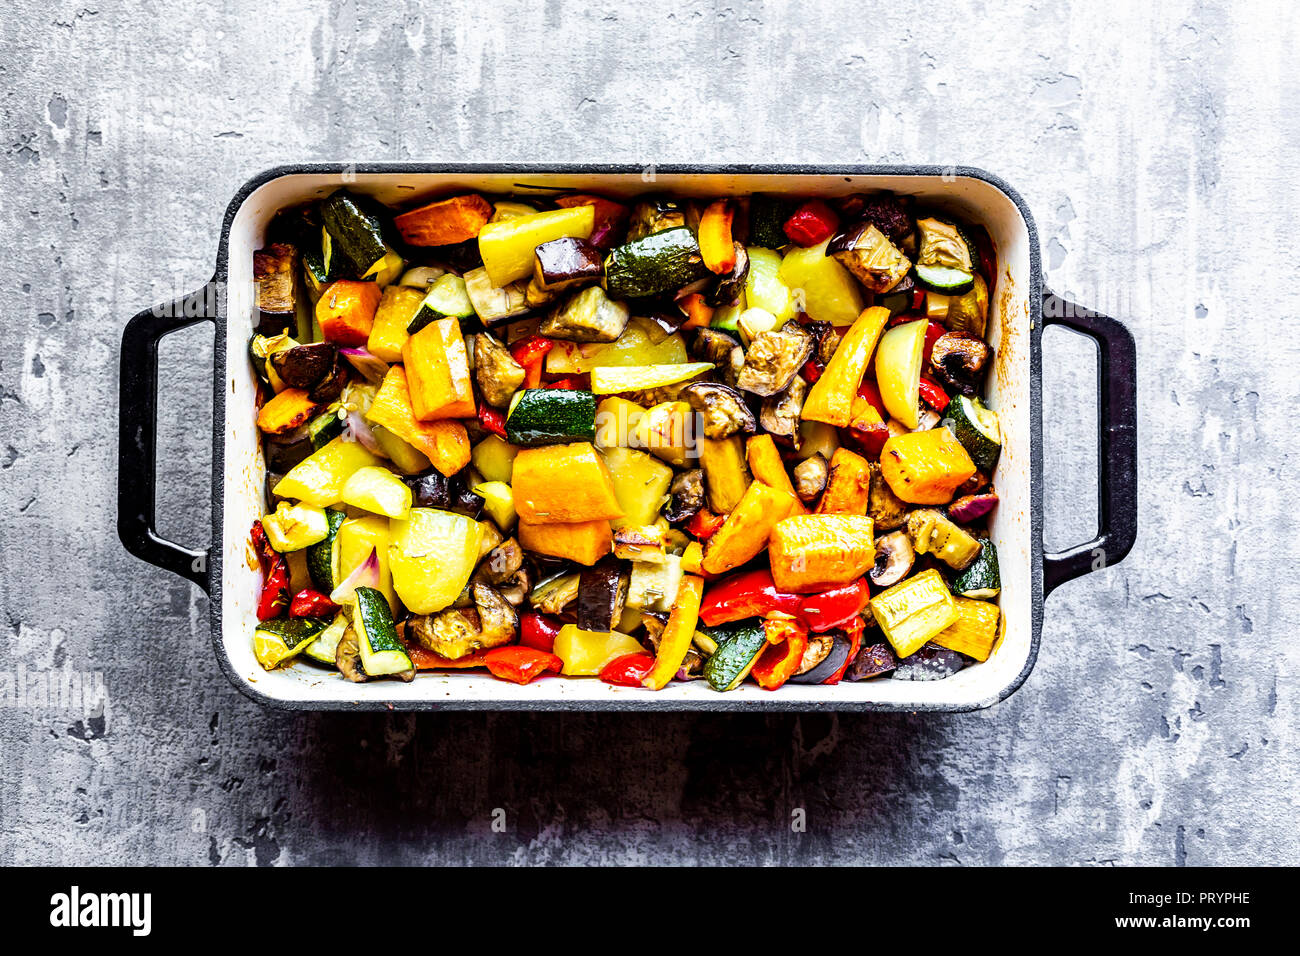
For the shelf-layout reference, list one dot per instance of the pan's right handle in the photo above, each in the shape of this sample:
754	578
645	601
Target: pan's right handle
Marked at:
137	464
1116	443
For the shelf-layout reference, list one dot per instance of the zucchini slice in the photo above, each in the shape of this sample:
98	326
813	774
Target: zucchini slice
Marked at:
978	430
354	231
381	652
660	262
981	578
944	262
552	416
277	640
735	656
447	299
326	427
323	557
324	648
767	216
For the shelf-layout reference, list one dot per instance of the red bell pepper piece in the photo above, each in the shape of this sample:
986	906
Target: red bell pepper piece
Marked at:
426	660
309	603
786	643
836	607
933	394
275	576
629	670
871	392
531	352
704	523
747	594
539	631
492	419
854	630
811	223
933	332
520	664
811	371
918	300
562	383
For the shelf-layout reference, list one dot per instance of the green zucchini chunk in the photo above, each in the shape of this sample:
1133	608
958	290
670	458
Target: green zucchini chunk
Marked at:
655	264
279	639
731	662
381	651
981	579
323	557
325	646
978	430
552	416
352	230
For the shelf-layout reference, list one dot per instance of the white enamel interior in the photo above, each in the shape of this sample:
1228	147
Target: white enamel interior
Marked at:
304	684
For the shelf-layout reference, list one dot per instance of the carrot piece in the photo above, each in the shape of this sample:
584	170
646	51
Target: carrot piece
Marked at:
848	485
437	372
831	397
445	442
717	248
925	468
446	222
346	311
765	465
561	484
817	552
745	532
286	411
698	311
583	541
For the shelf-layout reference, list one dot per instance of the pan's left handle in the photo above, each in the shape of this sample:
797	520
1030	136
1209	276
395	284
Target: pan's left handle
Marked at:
137	465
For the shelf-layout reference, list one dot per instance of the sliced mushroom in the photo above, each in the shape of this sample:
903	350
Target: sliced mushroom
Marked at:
498	375
723	410
687	496
960	359
886	510
779	415
347	656
329	388
774	358
894	559
810	478
728	288
302	366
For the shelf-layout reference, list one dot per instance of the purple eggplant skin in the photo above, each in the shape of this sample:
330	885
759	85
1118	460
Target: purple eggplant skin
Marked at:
429	490
566	262
971	508
282	452
830	663
931	662
602	592
874	660
303	366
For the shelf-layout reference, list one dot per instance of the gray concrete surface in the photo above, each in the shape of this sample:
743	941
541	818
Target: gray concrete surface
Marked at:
1156	145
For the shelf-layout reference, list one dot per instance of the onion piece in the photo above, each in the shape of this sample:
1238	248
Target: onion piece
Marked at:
372	368
972	507
355	429
366	575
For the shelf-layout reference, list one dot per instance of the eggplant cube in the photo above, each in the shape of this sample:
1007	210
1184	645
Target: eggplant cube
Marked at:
565	263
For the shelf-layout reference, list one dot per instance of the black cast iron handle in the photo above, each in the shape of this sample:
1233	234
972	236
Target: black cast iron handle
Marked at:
137	465
1116	444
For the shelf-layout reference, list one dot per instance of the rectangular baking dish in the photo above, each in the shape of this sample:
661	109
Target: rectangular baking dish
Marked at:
1018	311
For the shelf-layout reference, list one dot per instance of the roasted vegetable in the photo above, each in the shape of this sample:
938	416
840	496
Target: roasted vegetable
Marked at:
738	650
437	371
563	263
495	304
914	611
319	478
830	399
445	442
764	287
970	508
932	533
828	292
723	411
676	638
432	555
289	410
810	478
610	217
455	634
445	222
497	373
873	660
303	366
716	245
867	252
816	552
730	286
774	358
780	413
687	496
975	630
848	485
978	430
585	653
654	214
602	592
588	316
725	471
397	308
345	311
653	584
665	430
746	531
507	246
960	359
943	262
611	381
294	527
653	264
546	416
585	542
925	468
898	369
894	559
282	303
377	490
563	484
640	484
766	466
969	312
981	578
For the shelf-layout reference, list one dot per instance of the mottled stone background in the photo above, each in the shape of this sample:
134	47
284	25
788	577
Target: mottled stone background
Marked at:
1156	145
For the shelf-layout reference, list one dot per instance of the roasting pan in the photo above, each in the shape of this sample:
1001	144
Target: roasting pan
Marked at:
1019	309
